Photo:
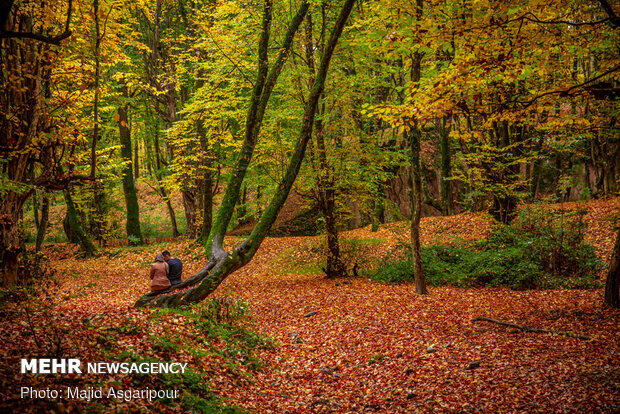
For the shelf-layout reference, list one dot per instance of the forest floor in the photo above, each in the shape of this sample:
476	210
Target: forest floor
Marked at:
349	345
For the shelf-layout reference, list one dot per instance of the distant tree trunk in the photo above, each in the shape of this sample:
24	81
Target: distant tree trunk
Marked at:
189	206
207	205
207	182
327	200
416	207
87	246
414	138
42	228
379	210
162	191
447	202
136	161
612	284
504	203
97	217
171	213
259	205
93	148
334	267
35	210
222	263
134	234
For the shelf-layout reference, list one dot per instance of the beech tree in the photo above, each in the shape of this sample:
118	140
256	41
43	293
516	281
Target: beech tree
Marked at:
221	262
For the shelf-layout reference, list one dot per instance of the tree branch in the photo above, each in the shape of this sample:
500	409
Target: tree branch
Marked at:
566	92
55	40
528	329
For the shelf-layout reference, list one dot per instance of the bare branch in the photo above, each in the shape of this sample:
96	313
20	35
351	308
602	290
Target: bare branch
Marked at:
55	40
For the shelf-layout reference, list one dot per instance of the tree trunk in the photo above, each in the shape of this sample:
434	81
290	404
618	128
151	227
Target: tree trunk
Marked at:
416	207
415	150
98	211
222	263
207	181
136	160
43	222
503	208
93	148
612	284
162	191
263	86
10	242
504	202
87	246
325	180
35	210
189	206
207	204
379	210
447	202
134	234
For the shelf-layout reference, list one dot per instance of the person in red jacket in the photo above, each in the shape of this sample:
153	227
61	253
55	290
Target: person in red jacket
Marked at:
159	274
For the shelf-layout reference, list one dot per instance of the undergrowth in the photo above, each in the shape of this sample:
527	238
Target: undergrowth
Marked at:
542	249
215	338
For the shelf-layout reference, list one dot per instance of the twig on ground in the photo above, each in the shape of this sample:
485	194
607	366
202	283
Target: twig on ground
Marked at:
528	329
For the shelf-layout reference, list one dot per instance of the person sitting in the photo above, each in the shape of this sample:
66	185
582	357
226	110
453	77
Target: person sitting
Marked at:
176	268
159	274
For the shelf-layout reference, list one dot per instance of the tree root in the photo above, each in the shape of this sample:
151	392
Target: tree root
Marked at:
528	329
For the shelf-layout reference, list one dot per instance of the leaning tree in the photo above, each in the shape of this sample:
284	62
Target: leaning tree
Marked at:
221	262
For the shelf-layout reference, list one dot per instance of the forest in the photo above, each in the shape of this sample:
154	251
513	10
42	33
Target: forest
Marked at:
316	205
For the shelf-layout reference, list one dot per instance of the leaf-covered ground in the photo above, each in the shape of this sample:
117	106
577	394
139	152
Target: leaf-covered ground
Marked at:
347	345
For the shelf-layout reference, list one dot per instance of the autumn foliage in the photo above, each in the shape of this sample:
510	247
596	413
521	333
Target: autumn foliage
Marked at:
343	345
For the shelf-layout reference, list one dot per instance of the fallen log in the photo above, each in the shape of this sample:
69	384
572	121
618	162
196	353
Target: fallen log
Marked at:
529	329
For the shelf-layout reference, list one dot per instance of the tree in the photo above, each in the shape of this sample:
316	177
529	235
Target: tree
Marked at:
134	234
76	229
414	137
612	284
29	157
326	185
408	124
222	263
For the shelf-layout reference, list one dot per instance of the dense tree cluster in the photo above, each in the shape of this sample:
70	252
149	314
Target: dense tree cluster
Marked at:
370	111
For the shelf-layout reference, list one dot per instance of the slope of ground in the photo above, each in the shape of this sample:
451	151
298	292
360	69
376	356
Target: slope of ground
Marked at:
358	346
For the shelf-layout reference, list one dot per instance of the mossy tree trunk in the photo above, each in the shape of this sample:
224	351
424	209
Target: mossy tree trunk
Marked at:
134	234
222	263
87	246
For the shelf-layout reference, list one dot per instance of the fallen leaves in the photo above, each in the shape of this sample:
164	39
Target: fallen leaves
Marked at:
357	346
